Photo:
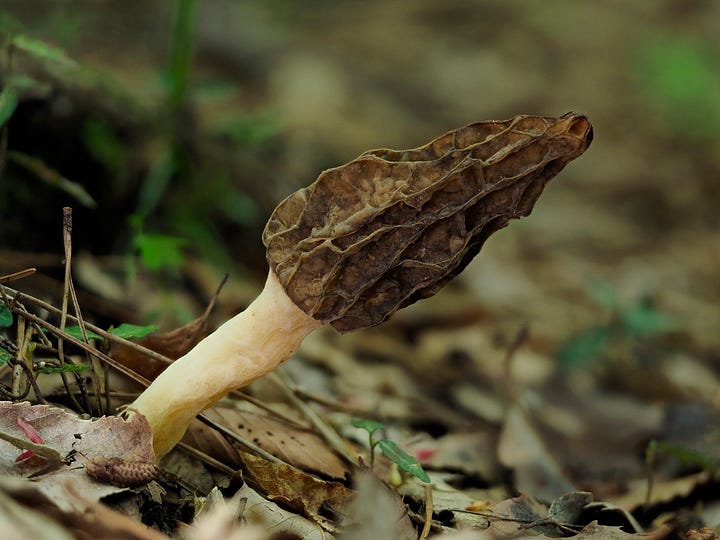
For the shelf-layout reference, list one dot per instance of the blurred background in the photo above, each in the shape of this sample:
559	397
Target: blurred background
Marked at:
173	129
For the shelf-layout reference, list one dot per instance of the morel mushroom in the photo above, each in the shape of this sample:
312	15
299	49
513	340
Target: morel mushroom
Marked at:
365	239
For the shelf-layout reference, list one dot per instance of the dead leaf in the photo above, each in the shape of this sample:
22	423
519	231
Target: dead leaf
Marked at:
79	440
273	519
298	491
299	447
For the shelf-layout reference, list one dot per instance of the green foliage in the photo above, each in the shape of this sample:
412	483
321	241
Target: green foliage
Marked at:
626	324
391	450
66	368
585	346
371	426
8	103
41	50
6	317
684	455
75	332
160	252
403	460
133	331
124	330
105	146
681	77
4	356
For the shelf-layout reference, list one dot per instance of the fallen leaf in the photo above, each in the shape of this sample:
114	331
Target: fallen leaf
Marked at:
300	447
79	441
298	491
274	520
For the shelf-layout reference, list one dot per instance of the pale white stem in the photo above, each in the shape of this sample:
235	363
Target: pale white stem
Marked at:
243	349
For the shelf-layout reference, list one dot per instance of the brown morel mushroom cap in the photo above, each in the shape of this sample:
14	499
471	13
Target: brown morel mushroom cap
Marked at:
392	227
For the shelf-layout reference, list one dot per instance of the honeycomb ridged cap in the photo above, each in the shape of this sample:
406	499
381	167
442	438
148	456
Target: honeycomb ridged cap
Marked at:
393	226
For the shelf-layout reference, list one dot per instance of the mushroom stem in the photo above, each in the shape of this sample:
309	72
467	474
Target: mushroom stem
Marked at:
243	349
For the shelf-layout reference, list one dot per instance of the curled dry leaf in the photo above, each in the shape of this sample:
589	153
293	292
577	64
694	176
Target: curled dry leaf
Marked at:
392	227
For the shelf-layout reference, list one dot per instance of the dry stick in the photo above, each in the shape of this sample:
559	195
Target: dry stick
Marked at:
247	444
428	512
208	460
99	384
67	242
329	434
23	335
7	278
265	407
67	229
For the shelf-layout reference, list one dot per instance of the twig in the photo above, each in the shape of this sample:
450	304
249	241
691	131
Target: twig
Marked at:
327	433
237	438
428	512
7	278
267	408
67	230
208	460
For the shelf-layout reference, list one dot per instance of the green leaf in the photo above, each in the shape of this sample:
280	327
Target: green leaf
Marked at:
371	426
4	357
586	346
603	294
644	319
158	251
403	460
684	455
8	103
129	331
6	317
67	368
41	50
75	332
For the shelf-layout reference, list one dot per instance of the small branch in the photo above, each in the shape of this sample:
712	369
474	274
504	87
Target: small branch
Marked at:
243	442
67	231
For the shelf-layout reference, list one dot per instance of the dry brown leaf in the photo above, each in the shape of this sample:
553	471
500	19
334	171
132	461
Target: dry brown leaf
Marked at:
298	491
80	440
274	520
300	447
